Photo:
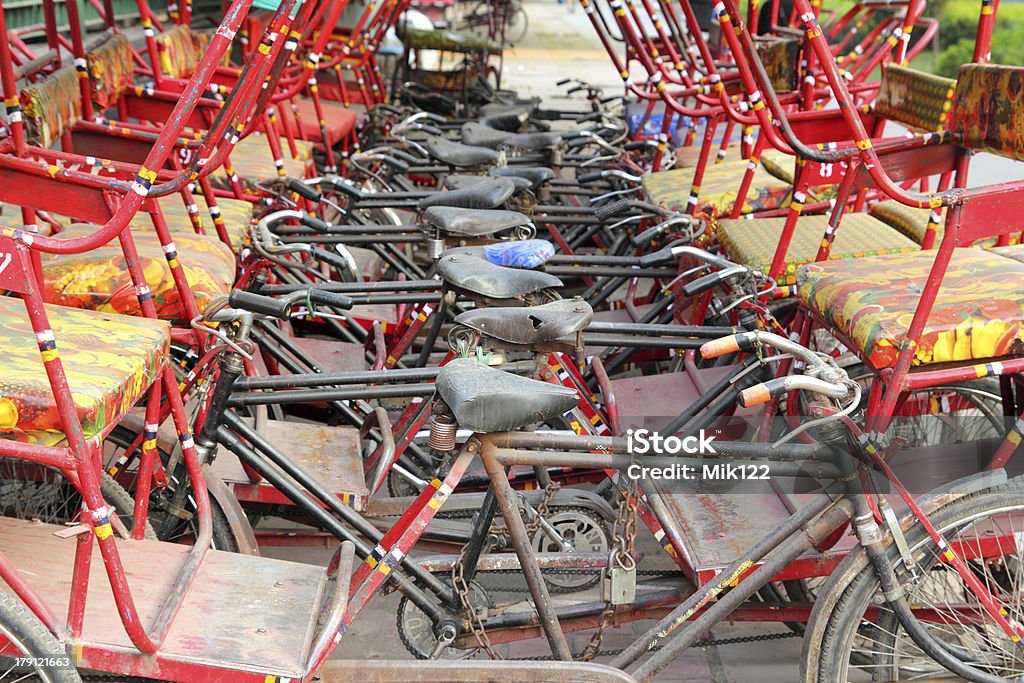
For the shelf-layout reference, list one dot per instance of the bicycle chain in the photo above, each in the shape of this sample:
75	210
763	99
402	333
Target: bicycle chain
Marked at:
541	512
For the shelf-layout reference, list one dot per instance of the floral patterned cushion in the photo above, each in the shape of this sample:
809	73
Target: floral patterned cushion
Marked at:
988	109
236	214
253	162
109	359
111	70
178	54
754	242
51	106
779	164
718	190
979	313
99	279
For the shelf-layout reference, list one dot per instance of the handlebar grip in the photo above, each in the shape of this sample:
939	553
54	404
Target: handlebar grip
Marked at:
590	177
656	257
396	164
314	223
723	345
755	395
563	82
303	190
710	280
606	211
329	257
610	98
433	130
402	155
638	144
647	235
257	303
348	189
333	299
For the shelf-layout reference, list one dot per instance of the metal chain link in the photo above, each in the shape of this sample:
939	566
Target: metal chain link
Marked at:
622	554
542	511
476	621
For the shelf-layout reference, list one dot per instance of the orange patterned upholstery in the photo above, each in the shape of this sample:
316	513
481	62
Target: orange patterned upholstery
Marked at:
111	70
109	359
988	110
978	315
237	216
177	51
51	106
99	279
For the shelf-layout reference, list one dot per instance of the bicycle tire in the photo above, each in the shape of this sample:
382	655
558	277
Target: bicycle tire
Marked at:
19	626
840	631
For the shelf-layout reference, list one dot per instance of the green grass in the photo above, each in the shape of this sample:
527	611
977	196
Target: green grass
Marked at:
958	24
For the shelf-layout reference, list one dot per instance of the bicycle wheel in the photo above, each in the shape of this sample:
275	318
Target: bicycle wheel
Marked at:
958	412
30	491
173	516
22	635
516	26
862	639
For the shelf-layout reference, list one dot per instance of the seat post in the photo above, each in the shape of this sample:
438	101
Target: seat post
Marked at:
520	539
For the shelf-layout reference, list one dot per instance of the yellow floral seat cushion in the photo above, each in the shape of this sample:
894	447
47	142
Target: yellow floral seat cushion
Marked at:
718	190
253	161
911	221
779	164
754	242
979	312
109	359
236	213
99	279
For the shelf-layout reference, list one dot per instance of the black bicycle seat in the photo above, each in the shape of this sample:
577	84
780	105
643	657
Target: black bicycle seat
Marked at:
487	400
458	181
490	194
463	222
510	117
532	325
479	135
456	154
537	175
495	282
533	142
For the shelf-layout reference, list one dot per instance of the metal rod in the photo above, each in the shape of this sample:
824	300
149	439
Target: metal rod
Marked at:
332	394
519	537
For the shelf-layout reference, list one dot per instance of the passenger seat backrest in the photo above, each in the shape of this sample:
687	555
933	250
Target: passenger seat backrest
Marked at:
780	57
988	110
179	54
51	106
111	70
918	100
